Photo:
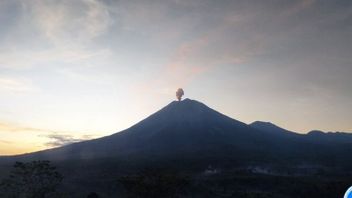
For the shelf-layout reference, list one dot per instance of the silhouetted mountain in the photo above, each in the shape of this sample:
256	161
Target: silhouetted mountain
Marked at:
180	128
271	128
218	155
330	137
190	129
315	135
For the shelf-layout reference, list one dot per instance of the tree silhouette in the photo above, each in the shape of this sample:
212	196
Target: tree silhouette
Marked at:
34	179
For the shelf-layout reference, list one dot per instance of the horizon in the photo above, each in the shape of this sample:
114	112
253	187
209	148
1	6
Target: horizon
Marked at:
79	70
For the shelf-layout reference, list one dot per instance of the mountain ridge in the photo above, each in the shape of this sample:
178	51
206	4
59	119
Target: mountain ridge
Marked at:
270	127
189	128
194	125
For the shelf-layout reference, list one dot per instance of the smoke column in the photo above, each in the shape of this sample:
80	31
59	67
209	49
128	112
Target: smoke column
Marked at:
179	94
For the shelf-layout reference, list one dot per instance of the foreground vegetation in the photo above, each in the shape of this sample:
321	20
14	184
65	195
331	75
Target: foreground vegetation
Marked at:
40	179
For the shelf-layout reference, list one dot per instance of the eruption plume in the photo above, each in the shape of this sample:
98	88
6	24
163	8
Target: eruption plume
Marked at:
179	94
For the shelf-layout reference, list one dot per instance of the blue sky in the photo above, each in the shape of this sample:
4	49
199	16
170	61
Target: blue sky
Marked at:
81	69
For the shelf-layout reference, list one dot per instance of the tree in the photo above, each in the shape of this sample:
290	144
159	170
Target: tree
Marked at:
34	179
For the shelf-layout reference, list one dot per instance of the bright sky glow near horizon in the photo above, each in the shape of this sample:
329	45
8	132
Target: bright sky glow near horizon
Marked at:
81	69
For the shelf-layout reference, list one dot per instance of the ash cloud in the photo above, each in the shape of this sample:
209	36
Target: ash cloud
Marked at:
179	94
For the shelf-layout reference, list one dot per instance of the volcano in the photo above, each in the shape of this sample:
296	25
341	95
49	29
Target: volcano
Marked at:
190	129
187	139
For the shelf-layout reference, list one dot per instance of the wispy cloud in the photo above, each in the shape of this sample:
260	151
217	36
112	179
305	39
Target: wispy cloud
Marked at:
59	31
13	127
16	85
5	142
57	140
196	56
61	21
56	137
298	6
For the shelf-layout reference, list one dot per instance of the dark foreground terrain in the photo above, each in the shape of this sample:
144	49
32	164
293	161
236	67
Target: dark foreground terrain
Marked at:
108	178
212	179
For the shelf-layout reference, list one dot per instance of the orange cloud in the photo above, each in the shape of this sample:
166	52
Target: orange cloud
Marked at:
180	69
12	127
16	139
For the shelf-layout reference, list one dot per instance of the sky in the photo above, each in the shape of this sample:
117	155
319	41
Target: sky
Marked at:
73	70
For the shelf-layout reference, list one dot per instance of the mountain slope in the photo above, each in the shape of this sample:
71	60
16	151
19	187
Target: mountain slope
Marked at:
330	137
271	128
190	129
180	128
